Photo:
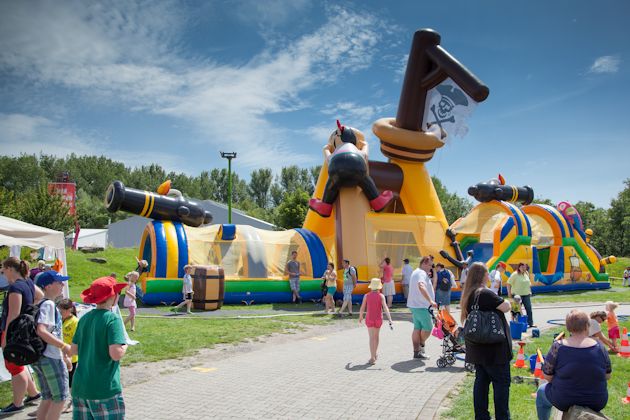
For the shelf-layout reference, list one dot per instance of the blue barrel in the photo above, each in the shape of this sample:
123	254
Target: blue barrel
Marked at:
522	319
516	330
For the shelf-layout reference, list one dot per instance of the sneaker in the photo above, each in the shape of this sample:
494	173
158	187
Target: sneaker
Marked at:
423	357
10	409
417	355
189	313
29	400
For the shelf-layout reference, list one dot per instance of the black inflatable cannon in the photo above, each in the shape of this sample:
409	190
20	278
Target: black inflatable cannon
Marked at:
155	206
496	190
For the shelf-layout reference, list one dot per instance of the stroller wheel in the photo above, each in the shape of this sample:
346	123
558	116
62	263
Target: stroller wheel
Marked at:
469	367
450	359
441	363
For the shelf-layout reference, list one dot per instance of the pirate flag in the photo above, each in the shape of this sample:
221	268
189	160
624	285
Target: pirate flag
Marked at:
448	106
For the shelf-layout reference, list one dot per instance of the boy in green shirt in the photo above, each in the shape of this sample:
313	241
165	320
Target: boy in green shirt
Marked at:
100	343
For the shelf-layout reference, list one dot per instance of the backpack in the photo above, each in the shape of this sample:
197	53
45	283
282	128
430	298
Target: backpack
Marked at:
24	346
444	280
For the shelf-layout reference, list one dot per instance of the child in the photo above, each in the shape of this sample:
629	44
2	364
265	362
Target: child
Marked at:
51	369
100	343
330	277
595	330
187	290
375	304
70	322
130	298
613	324
517	307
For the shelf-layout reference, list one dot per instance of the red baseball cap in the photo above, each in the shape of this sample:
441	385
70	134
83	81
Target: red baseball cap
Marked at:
502	264
102	289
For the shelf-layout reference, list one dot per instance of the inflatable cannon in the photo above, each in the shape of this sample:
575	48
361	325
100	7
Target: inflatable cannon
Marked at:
155	206
231	263
495	189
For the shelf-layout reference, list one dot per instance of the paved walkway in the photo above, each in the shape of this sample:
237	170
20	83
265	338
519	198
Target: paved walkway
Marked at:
311	376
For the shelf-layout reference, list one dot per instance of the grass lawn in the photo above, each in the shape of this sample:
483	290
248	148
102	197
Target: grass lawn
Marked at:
522	404
82	271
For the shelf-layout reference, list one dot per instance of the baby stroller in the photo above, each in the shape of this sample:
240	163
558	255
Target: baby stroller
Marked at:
446	329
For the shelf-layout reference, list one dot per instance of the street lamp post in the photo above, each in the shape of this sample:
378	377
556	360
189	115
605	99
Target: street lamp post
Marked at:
229	156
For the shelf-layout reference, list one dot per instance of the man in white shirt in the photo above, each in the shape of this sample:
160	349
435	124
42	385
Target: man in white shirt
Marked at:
421	298
495	277
406	276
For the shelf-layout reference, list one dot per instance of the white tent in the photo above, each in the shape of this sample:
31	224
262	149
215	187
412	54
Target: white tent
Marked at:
15	233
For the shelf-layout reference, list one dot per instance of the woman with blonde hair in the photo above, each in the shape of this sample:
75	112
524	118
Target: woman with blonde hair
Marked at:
492	361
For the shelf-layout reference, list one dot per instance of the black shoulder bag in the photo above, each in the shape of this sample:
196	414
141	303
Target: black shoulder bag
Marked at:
483	327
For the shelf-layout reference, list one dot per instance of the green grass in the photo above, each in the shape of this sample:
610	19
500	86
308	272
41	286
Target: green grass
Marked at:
616	294
83	272
523	404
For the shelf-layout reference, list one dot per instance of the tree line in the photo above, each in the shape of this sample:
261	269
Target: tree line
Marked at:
281	199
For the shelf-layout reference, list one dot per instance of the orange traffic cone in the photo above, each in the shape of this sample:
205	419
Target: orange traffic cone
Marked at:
538	373
520	357
627	399
624	349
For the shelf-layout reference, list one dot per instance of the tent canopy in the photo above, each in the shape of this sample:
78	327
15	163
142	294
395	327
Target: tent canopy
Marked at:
17	233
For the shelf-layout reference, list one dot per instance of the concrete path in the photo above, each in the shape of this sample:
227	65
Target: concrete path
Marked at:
311	377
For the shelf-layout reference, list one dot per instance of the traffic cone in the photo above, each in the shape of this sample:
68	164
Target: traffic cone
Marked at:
520	357
627	399
538	373
624	349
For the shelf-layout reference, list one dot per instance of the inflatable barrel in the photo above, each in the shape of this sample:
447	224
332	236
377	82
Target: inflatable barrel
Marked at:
155	206
208	287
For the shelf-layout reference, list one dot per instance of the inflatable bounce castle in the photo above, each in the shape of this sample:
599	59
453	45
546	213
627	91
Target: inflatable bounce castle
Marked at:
364	211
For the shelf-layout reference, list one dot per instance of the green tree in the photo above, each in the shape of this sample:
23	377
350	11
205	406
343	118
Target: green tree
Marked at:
43	209
292	211
20	173
453	205
8	203
619	222
259	185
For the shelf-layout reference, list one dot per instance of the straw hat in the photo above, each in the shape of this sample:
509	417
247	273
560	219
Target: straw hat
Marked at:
375	284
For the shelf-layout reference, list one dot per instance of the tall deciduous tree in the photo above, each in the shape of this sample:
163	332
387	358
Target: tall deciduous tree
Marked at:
259	185
49	210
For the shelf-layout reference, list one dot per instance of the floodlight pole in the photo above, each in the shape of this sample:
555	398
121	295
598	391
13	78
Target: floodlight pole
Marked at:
229	156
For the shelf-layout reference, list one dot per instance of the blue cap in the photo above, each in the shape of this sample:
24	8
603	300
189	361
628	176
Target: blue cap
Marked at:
49	277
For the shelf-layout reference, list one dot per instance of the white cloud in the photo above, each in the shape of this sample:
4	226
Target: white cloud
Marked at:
605	64
269	12
354	114
127	55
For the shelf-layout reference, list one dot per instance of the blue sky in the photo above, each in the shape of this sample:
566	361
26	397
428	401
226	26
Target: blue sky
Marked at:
176	82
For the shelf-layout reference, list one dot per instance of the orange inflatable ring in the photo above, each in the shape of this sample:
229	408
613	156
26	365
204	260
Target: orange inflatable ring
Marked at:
399	143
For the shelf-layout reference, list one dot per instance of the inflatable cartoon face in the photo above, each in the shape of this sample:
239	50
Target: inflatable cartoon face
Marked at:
345	134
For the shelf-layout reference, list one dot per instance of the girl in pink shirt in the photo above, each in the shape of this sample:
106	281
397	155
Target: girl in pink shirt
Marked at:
389	289
374	302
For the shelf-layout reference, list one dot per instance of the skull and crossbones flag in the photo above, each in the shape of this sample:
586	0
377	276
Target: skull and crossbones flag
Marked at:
448	106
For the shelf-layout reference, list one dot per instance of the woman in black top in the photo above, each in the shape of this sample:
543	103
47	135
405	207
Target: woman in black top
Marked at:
492	361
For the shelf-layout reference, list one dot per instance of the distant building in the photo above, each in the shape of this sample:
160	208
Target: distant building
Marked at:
89	238
127	233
